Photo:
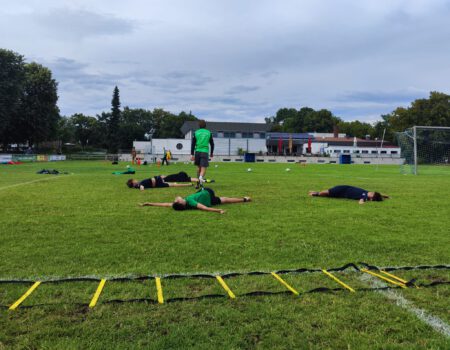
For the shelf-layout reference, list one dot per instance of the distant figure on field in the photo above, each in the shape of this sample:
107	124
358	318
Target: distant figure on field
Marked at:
133	156
163	181
166	157
204	199
350	192
200	149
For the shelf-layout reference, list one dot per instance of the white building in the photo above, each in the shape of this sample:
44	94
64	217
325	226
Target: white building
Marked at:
234	139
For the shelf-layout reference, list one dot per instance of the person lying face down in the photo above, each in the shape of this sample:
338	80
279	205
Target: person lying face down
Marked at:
163	181
350	192
203	199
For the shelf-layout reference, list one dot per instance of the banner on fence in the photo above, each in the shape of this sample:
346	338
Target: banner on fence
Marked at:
4	158
56	157
24	158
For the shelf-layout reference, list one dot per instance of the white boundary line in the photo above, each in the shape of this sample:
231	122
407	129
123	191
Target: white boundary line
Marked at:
28	182
434	322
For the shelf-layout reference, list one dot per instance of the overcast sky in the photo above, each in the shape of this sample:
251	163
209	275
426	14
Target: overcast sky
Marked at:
236	60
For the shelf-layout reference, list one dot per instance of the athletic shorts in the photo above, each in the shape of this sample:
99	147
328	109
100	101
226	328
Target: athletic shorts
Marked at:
337	191
201	159
180	177
214	200
349	192
159	182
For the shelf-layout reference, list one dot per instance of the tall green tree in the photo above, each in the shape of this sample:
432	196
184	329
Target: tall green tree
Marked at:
39	113
12	76
114	122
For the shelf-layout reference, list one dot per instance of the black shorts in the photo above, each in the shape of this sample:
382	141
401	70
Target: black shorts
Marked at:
159	182
180	177
349	192
214	200
337	191
201	159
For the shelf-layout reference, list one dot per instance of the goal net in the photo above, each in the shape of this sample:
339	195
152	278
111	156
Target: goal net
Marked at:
424	145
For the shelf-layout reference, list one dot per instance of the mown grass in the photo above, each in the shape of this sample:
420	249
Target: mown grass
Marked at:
88	223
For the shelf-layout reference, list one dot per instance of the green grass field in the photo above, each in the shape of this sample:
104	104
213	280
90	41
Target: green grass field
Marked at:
88	223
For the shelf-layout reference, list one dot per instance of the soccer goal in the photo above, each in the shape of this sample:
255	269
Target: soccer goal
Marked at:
424	145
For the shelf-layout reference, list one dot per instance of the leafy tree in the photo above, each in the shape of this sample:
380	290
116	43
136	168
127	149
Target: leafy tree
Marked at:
304	120
356	128
84	127
434	111
12	75
39	115
65	130
170	125
134	124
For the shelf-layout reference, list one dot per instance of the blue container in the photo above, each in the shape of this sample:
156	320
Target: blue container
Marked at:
345	159
250	157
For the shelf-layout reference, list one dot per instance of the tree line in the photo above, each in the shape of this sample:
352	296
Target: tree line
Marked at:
29	115
432	111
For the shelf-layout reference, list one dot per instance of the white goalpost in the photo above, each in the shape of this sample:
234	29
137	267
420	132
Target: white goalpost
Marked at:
424	145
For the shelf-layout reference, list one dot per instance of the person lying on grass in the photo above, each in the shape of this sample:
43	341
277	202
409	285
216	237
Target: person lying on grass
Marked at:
163	181
350	192
203	200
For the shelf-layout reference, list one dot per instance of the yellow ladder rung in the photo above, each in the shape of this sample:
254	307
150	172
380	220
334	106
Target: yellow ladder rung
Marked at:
284	283
97	293
224	286
346	286
394	277
384	278
397	278
23	297
159	290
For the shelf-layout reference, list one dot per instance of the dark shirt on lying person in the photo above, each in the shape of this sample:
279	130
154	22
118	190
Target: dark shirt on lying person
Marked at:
157	182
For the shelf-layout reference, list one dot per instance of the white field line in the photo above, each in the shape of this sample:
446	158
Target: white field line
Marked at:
28	182
433	321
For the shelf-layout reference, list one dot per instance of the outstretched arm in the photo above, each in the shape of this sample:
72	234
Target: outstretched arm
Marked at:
385	195
174	184
149	204
361	201
205	208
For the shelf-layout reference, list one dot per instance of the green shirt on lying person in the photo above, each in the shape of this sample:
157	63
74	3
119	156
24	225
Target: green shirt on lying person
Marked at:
202	197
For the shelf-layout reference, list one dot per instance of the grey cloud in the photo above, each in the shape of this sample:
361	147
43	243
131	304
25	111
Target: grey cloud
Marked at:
382	97
239	89
188	78
69	71
173	81
237	59
79	24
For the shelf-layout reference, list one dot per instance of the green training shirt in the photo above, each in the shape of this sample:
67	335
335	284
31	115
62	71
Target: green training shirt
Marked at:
202	197
202	137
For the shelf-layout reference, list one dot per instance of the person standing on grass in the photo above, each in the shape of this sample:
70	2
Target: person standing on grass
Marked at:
200	150
203	199
350	192
165	157
133	156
